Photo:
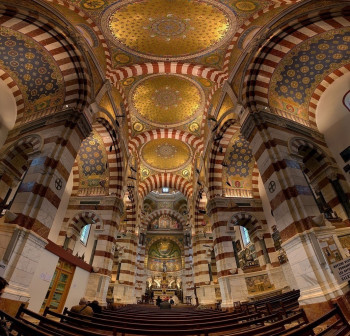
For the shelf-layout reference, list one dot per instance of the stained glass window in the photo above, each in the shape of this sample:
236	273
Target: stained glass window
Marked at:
84	234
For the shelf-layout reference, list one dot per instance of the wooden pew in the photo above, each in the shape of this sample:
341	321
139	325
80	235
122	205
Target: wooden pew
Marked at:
62	329
20	327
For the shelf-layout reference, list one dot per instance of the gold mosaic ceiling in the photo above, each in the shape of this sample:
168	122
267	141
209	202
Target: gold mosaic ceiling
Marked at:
167	100
169	29
165	154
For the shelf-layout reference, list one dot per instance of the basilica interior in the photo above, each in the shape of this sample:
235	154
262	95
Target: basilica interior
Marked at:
195	149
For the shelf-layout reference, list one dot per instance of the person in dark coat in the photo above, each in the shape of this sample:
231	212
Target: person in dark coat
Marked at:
95	307
3	327
158	301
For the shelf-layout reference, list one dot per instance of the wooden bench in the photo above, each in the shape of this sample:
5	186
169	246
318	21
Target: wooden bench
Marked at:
62	329
20	327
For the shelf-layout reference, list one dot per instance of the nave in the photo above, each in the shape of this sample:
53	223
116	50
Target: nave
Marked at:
186	152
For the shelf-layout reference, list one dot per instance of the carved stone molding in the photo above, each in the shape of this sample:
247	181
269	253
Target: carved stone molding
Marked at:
261	117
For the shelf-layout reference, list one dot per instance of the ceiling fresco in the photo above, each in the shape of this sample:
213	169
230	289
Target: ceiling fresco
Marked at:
166	100
33	69
159	28
165	154
299	73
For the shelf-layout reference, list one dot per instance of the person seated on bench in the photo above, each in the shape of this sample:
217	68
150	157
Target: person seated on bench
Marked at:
83	308
165	305
95	307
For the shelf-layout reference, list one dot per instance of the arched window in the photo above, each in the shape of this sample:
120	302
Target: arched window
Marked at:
245	236
84	234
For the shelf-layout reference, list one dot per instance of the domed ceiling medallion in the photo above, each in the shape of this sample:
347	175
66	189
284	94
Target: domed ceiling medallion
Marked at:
165	154
166	29
166	100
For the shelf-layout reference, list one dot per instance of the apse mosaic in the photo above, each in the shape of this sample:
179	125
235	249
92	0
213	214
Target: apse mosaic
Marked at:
33	70
165	222
164	28
92	160
299	73
165	154
239	164
166	100
164	255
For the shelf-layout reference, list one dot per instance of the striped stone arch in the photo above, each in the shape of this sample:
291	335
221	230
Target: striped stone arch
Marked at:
297	142
61	48
207	106
321	88
212	74
17	94
193	141
247	220
30	144
260	70
247	23
91	24
200	208
161	212
114	159
217	155
165	180
84	218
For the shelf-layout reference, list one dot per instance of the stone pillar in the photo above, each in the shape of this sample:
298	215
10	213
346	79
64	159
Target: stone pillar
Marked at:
103	259
30	218
219	212
188	277
124	288
202	247
140	281
296	213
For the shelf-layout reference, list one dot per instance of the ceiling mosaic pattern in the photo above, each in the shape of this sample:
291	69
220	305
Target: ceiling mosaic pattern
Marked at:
239	164
167	100
159	28
33	69
165	154
297	76
92	160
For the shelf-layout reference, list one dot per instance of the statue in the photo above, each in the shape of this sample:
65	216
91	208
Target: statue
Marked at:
164	266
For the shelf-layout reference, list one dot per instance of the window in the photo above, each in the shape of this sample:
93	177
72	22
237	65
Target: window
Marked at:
245	236
84	234
165	190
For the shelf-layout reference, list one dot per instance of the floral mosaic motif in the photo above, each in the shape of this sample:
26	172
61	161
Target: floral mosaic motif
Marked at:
304	68
32	68
239	159
93	4
92	160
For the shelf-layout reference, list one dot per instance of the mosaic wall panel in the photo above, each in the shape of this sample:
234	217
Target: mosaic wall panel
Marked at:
259	283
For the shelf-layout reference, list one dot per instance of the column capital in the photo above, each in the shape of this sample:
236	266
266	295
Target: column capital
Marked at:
262	117
219	202
72	115
119	205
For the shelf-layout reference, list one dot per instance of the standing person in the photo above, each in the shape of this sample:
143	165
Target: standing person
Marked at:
3	327
158	301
